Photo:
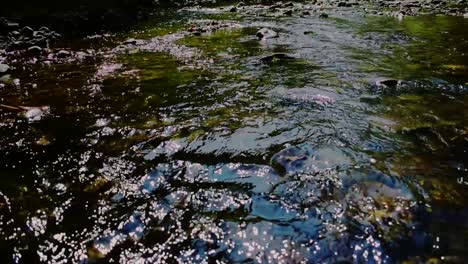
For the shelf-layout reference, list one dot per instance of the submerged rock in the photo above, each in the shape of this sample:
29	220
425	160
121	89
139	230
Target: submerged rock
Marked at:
44	29
305	159
266	33
306	96
389	209
290	159
465	15
4	79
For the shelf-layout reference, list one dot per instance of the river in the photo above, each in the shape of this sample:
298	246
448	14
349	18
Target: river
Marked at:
342	140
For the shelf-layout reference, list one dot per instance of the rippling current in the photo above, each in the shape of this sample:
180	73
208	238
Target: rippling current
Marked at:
341	141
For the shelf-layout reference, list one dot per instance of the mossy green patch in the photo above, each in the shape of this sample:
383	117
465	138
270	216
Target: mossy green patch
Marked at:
160	66
225	42
423	46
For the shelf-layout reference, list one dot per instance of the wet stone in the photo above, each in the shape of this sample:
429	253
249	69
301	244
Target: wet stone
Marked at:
63	54
240	4
305	96
389	83
266	33
34	50
270	209
27	31
304	158
131	41
288	13
4	69
276	57
323	15
35	114
44	29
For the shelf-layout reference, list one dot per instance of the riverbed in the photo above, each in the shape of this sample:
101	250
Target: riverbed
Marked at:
189	139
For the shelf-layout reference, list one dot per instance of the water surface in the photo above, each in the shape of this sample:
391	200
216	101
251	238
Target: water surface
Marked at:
194	149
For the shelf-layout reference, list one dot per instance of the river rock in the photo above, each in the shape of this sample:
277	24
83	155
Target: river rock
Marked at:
343	4
4	68
266	33
34	50
276	57
305	158
34	114
27	31
63	54
6	25
44	29
323	15
288	12
465	15
387	83
240	4
130	41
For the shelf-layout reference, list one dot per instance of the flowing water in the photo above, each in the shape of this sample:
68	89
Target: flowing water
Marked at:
221	148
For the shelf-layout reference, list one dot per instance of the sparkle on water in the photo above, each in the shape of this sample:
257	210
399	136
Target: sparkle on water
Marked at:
167	147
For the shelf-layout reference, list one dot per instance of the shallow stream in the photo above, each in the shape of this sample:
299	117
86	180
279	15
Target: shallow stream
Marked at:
342	140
